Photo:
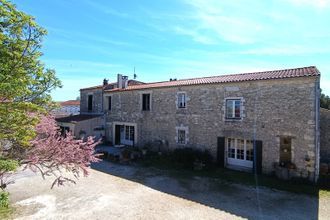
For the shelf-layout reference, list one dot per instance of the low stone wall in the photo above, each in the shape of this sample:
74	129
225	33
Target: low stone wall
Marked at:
325	136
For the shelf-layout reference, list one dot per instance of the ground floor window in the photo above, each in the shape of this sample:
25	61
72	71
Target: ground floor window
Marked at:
181	136
239	152
124	134
129	133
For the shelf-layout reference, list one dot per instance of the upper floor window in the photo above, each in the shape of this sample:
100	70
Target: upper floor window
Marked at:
233	108
181	100
146	102
90	102
109	103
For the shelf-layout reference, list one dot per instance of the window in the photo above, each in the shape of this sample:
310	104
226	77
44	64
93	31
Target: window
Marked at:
233	109
181	100
90	102
231	147
240	149
181	136
129	133
109	103
146	102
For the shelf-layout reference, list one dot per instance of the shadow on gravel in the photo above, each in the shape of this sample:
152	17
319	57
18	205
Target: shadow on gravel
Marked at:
240	200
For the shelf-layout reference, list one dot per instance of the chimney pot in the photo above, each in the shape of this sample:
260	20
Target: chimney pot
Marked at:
105	82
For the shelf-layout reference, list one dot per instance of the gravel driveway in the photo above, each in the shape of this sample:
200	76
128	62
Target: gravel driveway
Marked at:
130	192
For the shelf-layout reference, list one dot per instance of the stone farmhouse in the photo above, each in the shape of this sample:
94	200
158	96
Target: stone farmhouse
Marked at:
259	121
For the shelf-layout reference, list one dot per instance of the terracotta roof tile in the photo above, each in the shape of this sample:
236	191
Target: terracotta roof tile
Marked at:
265	75
111	85
70	102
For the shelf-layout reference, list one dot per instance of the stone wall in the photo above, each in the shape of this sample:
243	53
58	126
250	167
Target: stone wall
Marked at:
97	101
282	107
325	135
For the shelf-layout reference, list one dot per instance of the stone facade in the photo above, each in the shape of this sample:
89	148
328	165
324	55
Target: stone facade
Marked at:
97	102
325	136
271	108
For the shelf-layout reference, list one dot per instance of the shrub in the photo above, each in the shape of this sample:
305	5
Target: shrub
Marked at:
4	199
187	158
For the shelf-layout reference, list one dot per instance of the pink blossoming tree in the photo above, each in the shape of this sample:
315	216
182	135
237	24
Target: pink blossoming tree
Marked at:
54	154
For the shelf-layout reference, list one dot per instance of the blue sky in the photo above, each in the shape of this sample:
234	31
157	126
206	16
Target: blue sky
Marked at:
90	40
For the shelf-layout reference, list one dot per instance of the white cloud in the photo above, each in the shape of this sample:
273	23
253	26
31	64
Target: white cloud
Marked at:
196	36
227	21
319	4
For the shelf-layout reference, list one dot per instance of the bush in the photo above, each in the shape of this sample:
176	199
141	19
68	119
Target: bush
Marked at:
7	165
4	199
186	158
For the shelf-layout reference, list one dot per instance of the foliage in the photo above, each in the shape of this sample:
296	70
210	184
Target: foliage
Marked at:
187	157
7	166
181	158
324	101
4	199
52	153
26	136
25	83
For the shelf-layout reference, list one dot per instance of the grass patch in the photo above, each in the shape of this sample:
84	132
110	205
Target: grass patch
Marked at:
6	212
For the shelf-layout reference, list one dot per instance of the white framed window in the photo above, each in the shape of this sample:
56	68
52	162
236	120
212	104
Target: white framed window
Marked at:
233	108
181	102
129	133
239	152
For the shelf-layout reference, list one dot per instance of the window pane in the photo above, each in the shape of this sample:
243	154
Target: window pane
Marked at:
229	109
131	133
231	148
237	109
181	100
127	132
240	149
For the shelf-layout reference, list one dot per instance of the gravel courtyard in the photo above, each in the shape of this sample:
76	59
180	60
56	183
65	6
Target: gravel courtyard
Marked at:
129	192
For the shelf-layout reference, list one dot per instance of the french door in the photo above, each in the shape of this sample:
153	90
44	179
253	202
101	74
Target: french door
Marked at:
127	135
239	152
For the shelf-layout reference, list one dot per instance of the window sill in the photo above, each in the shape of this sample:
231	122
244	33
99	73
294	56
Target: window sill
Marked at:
233	119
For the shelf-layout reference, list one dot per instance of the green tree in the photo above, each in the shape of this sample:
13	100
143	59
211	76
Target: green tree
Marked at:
324	101
25	83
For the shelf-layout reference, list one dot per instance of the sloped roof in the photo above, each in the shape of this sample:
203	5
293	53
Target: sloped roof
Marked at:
252	76
76	118
111	85
70	102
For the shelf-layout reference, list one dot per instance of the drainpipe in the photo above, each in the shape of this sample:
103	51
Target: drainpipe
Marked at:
317	129
104	116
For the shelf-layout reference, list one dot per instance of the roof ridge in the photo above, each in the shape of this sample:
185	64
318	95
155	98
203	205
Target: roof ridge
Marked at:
233	74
